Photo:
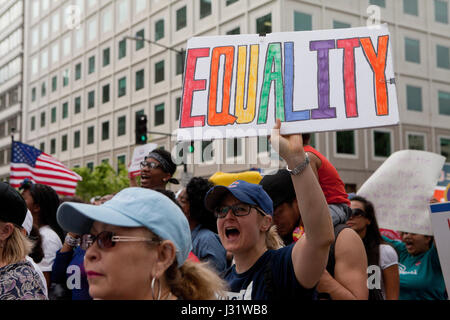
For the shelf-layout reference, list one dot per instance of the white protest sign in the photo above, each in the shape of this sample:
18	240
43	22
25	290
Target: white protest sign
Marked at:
237	85
440	219
139	154
401	188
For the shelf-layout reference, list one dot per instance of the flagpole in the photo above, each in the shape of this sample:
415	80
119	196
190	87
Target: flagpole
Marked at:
12	141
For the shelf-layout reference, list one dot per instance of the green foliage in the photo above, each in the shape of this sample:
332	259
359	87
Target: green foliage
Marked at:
101	181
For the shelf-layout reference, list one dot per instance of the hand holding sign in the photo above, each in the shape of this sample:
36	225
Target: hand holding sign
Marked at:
290	147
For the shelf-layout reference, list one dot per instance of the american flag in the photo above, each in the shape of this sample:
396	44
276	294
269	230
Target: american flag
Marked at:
39	167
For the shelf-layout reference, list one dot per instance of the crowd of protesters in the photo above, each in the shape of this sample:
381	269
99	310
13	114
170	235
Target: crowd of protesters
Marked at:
295	234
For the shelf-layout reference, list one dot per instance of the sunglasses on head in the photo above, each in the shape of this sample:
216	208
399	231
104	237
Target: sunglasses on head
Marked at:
238	210
358	212
108	239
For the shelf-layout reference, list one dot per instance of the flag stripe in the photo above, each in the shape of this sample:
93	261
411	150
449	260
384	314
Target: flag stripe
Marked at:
44	173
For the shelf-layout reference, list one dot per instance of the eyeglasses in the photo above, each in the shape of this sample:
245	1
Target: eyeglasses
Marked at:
358	212
151	165
107	239
238	210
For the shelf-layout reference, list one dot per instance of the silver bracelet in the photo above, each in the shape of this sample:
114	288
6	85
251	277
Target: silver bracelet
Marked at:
71	241
299	169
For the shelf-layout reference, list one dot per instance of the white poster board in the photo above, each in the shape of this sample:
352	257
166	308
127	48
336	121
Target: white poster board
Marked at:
237	85
139	154
440	220
401	188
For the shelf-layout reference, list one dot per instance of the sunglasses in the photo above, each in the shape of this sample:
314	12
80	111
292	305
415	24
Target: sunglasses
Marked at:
358	212
107	239
151	165
238	210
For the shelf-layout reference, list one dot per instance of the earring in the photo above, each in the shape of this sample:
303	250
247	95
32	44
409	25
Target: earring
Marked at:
153	287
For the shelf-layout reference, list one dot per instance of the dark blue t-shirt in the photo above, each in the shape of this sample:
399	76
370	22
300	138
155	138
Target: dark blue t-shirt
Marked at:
272	277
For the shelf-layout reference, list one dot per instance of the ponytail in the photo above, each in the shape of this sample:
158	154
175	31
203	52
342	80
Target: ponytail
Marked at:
273	239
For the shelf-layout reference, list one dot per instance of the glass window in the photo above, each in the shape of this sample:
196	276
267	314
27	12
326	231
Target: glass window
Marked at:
141	5
106	53
443	57
139	79
64	143
412	50
441	11
44	60
264	24
120	161
416	142
42	146
234	147
140	43
90	166
228	2
66	46
444	103
159	71
180	63
78	71
65	110
55	23
302	21
122	48
33	123
79	38
33	94
340	25
205	8
380	3
66	74
53	146
107	20
123	11
53	115
121	126
105	93
413	98
54	83
345	142
234	31
76	139
445	148
105	130
91	62
382	143
122	84
177	108
181	19
159	114
44	30
90	135
55	52
77	105
92	28
159	29
411	7
43	89
91	99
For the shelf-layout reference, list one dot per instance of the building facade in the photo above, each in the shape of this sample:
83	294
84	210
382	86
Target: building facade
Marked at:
11	79
85	82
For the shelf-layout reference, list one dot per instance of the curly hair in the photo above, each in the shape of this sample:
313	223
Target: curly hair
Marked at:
196	191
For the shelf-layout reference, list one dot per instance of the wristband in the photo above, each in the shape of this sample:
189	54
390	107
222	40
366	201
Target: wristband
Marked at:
71	241
299	169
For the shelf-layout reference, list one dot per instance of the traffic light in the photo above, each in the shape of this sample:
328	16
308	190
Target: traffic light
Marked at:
141	129
191	147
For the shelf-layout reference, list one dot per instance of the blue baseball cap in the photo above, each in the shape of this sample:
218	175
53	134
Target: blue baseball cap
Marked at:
132	207
244	191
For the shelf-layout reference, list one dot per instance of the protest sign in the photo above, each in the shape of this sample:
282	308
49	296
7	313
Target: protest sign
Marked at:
441	193
440	219
237	85
139	154
401	188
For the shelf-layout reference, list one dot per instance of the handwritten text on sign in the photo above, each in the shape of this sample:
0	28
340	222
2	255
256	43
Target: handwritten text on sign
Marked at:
312	81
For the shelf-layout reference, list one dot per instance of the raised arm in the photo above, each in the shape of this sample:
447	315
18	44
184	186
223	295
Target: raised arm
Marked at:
310	253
